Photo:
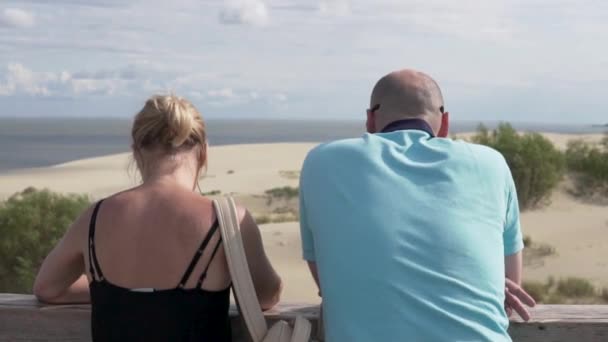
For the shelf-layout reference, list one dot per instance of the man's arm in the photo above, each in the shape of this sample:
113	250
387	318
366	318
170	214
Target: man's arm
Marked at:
308	246
516	297
513	267
312	266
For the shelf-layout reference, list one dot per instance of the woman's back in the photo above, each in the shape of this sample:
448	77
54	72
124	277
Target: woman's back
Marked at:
151	282
150	259
146	237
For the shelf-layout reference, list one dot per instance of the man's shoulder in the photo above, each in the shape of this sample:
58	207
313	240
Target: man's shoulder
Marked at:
480	152
336	148
486	158
333	153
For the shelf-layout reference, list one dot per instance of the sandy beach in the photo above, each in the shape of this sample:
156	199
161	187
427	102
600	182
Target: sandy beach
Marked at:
576	229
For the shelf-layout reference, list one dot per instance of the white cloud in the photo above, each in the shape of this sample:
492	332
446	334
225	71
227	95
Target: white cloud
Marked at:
95	86
335	7
248	12
20	80
195	94
16	18
314	51
468	19
227	97
280	97
226	93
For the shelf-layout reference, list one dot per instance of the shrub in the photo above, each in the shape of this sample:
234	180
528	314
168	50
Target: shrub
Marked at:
555	298
285	193
527	241
31	223
575	287
262	219
538	290
276	218
534	251
290	174
565	291
604	294
537	166
590	162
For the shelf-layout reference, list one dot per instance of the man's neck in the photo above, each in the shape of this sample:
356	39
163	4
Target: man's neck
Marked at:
407	124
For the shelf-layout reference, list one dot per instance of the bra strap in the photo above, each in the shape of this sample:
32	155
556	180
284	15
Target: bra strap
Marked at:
198	255
94	267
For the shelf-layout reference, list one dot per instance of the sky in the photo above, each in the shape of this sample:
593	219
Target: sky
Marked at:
508	60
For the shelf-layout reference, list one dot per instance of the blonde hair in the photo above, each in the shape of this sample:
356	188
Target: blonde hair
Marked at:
169	122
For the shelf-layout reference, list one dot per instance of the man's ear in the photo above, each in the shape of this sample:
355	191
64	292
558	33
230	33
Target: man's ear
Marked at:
370	124
445	125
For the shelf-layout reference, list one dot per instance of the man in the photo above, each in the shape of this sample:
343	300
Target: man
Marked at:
413	235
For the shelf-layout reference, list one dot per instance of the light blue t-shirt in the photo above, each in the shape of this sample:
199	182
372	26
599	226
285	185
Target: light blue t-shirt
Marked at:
409	234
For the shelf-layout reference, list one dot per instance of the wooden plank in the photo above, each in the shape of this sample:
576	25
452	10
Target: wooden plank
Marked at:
559	332
569	314
23	318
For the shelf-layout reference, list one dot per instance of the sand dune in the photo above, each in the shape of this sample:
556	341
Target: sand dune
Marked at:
577	230
241	169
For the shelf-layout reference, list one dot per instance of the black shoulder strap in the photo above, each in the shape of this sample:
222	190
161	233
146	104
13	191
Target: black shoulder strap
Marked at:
198	254
94	267
204	274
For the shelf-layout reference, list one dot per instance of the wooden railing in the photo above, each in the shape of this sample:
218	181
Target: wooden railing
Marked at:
23	318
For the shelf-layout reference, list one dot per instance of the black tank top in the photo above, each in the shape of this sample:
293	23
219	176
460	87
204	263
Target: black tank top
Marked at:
179	314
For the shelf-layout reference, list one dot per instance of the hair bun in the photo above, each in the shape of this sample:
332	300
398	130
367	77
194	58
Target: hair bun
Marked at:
180	121
169	121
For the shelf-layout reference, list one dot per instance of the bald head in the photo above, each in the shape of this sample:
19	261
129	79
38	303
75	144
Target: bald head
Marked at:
406	94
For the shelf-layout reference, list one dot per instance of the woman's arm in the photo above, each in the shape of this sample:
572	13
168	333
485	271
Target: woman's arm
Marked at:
61	278
267	283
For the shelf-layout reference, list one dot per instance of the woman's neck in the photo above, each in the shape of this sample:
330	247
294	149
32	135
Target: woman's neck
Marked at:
180	173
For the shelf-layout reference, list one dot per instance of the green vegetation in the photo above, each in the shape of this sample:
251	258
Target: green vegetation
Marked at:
286	213
537	166
605	294
575	287
538	290
262	219
275	218
590	163
281	193
31	223
534	252
285	192
290	174
570	290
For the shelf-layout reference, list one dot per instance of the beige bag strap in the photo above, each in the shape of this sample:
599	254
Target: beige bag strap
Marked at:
242	283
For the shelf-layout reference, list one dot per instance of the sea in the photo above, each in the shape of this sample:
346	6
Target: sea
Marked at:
39	142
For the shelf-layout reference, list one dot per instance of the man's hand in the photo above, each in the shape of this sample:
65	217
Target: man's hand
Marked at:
515	298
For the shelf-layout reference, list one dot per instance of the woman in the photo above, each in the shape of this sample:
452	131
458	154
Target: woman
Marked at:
150	259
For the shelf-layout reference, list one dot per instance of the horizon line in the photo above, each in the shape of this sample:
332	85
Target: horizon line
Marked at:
334	119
